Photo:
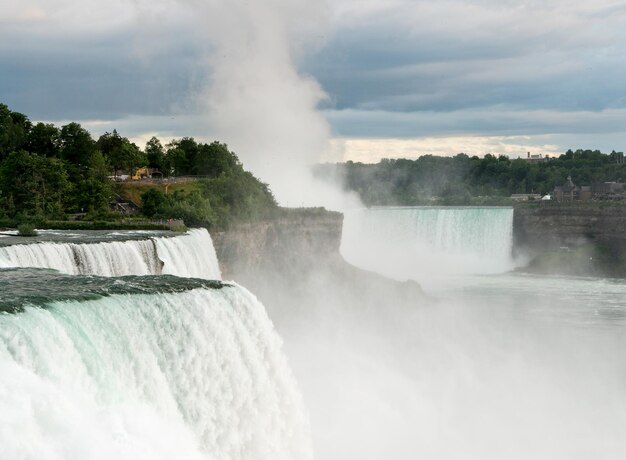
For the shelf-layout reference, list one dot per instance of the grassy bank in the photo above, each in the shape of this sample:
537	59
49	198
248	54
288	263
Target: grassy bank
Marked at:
127	224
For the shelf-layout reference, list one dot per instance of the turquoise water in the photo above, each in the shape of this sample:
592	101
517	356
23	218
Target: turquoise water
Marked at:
194	374
134	349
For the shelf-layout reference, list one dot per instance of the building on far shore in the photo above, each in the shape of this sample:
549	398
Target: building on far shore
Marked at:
598	191
536	158
566	192
609	191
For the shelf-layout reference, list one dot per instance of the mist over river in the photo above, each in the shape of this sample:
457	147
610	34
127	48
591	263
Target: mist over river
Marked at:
495	365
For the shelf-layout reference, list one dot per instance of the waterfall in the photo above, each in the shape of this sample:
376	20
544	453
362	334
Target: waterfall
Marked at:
190	255
195	374
417	242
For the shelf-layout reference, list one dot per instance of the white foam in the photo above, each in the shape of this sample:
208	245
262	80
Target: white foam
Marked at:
188	255
190	375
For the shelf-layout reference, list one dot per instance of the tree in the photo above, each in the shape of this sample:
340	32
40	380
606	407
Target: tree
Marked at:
123	155
32	184
176	161
134	156
155	154
94	190
153	202
44	139
77	146
111	146
14	129
181	155
214	159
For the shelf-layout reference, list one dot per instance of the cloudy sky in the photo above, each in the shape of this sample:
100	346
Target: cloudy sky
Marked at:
345	79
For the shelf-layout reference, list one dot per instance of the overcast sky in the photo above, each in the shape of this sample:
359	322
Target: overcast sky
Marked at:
363	79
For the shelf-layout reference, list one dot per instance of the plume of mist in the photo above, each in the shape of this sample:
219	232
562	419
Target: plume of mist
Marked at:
257	101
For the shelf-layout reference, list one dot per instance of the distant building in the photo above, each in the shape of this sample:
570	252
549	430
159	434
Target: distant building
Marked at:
584	193
598	191
608	190
617	157
536	158
566	192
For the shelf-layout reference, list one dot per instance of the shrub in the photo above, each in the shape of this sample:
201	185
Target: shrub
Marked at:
26	230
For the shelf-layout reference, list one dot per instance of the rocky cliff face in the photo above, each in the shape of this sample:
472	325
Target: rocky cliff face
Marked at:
292	263
572	239
287	245
550	226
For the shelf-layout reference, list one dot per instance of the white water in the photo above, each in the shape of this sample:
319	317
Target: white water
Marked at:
414	243
192	255
190	375
188	255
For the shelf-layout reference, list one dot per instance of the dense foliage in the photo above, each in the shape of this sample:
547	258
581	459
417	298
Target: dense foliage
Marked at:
48	172
230	197
460	179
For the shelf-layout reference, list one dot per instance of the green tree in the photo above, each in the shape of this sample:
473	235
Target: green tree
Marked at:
44	139
214	159
93	191
181	155
155	155
176	161
33	185
14	129
123	155
76	146
154	202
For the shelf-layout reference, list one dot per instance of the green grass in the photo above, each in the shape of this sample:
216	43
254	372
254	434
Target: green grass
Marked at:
132	190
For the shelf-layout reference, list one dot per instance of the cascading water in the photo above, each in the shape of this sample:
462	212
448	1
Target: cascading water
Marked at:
194	374
150	367
189	255
192	255
409	243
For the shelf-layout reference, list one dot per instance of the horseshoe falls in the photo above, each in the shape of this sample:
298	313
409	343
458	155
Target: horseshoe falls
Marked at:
148	366
420	242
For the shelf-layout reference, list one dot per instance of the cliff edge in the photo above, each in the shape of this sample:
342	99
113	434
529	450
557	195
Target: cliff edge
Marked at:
572	239
294	262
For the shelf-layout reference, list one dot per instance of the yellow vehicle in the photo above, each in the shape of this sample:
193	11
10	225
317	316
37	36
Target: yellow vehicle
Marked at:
141	173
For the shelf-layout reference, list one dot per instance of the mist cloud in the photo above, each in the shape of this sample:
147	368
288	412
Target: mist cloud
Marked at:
256	99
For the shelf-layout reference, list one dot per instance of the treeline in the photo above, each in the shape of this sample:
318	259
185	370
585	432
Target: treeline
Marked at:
463	180
47	172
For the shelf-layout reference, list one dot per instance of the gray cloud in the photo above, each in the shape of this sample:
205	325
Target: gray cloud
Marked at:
410	68
51	71
391	68
384	62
